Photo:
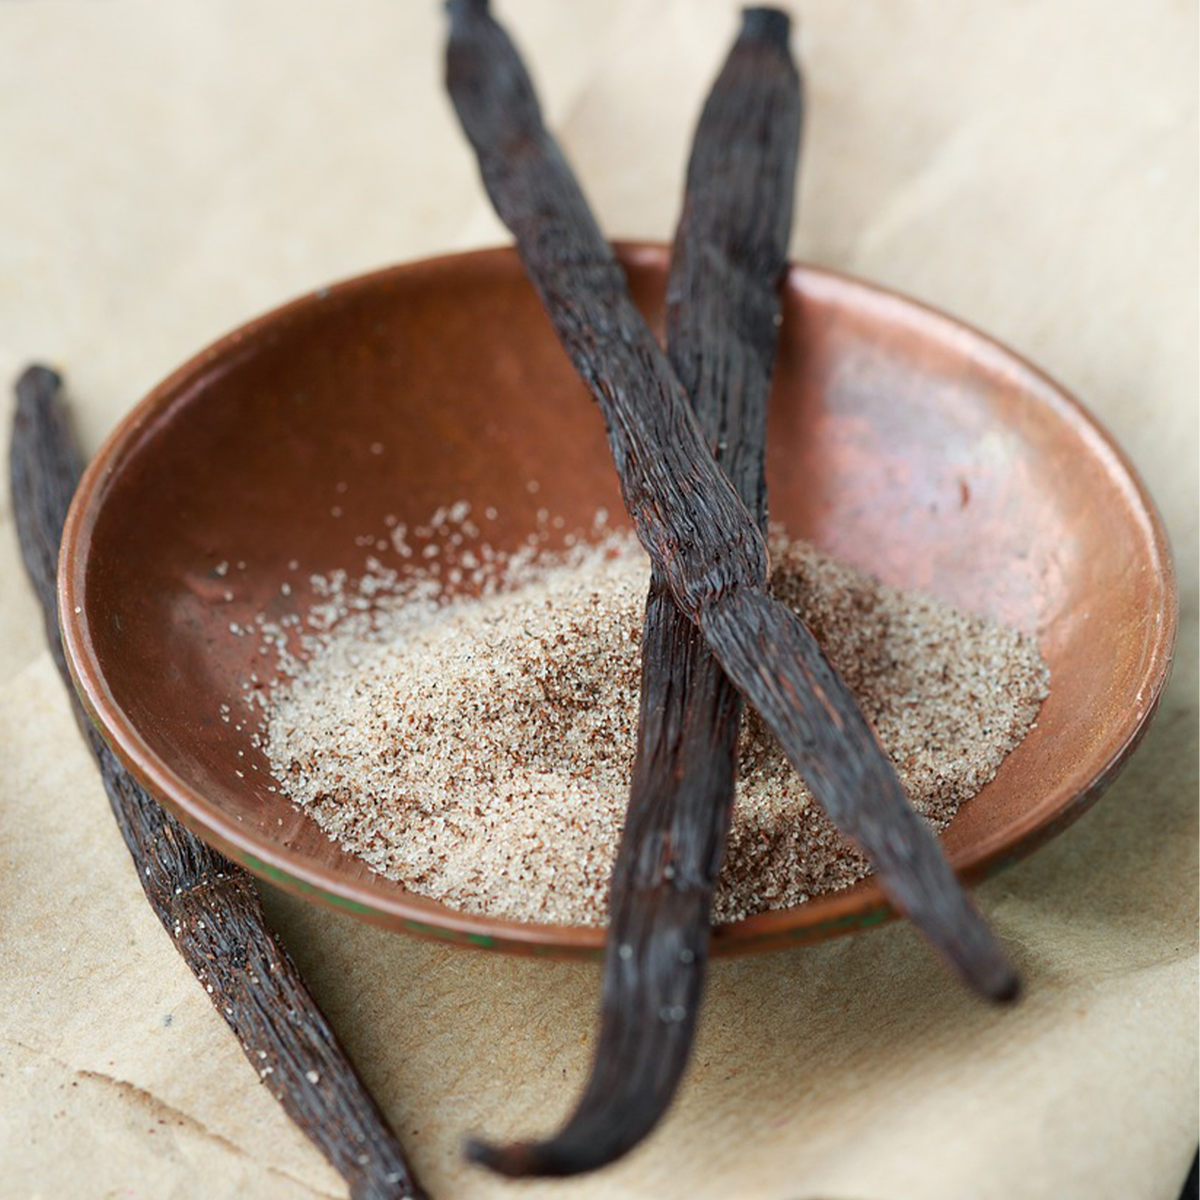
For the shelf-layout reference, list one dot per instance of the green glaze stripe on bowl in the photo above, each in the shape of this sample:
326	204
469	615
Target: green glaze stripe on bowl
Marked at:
292	883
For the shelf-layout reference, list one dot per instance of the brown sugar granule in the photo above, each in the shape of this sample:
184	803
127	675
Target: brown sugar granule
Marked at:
479	751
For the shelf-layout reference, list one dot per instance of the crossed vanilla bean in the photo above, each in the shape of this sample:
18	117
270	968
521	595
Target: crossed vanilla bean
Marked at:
723	317
699	535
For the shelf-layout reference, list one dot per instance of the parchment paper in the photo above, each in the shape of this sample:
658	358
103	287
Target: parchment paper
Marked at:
172	168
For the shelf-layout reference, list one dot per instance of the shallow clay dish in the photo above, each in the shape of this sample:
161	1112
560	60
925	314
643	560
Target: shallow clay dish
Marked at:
900	440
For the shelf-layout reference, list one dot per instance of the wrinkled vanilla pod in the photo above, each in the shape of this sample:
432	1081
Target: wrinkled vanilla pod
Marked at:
723	315
699	535
208	905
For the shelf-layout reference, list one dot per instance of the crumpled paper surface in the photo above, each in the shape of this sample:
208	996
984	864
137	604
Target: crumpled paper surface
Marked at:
174	168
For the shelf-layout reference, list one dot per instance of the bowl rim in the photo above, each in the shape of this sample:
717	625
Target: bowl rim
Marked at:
825	916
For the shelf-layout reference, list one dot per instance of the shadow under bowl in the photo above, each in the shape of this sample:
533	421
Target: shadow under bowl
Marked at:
900	440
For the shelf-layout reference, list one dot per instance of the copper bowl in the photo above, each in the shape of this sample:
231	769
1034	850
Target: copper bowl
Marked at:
901	440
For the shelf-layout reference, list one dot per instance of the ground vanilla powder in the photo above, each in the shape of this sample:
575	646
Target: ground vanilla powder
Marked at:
479	751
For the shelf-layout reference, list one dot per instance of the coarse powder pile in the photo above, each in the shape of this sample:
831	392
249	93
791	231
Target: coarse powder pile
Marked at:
479	752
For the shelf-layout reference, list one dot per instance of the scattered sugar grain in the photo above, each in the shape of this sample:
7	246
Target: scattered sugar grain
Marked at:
479	750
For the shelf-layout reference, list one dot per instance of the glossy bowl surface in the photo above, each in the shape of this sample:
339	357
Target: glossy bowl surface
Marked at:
900	440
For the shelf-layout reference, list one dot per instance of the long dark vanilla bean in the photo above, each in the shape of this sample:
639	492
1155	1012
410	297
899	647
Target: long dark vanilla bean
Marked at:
208	905
699	535
722	328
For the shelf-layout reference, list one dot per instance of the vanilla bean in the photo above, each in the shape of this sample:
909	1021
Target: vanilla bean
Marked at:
208	905
699	535
723	315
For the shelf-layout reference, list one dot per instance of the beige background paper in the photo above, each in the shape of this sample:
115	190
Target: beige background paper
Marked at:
172	168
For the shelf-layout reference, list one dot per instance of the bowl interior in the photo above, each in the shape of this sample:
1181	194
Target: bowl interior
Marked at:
900	440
